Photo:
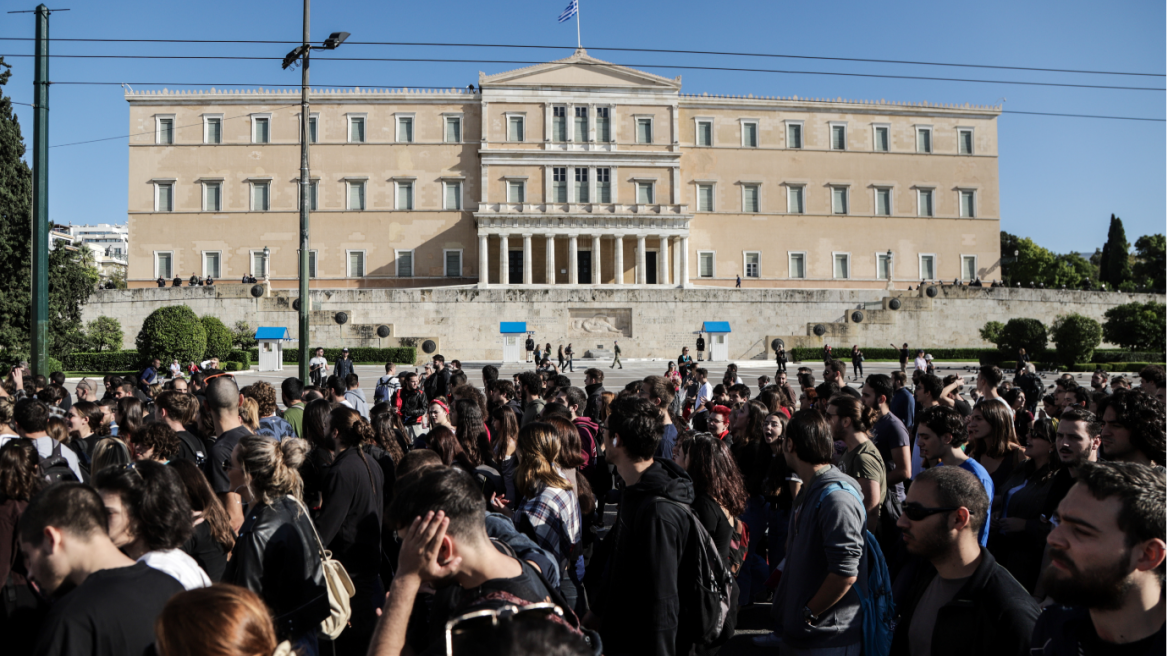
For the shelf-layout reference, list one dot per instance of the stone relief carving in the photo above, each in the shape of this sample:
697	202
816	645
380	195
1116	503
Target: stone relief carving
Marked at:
601	322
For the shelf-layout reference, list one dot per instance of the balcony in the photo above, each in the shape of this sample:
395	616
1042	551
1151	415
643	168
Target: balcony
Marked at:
585	209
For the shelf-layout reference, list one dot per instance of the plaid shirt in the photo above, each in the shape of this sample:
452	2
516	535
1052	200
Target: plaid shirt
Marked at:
552	519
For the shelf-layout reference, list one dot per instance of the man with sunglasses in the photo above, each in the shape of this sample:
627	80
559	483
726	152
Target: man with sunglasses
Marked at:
956	599
941	435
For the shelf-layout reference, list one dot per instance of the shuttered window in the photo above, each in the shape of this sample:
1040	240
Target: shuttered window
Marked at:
165	197
262	132
212	197
356	264
645	193
796	265
559	124
968	267
794	135
311	264
560	184
839	137
453	195
515	191
166	131
405	264
405	195
925	202
965	142
603	186
928	270
839	200
603	125
211	265
356	129
705	198
453	129
706	264
881	144
750	199
705	133
453	264
840	266
214	132
260	196
967	207
356	195
750	135
514	128
162	262
581	185
644	130
924	140
752	259
405	129
580	129
884	202
795	200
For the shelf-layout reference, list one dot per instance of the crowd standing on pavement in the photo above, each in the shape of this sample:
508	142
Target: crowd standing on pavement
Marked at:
901	515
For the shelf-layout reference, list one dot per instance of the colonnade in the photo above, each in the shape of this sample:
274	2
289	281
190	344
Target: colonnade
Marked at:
672	257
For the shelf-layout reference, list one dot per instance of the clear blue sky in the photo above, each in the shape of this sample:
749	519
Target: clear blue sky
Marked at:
1061	178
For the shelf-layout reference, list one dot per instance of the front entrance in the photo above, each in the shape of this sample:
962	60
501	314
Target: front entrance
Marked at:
651	267
513	348
584	267
515	267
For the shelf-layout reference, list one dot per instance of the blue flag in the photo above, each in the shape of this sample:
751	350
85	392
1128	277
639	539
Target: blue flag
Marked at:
573	7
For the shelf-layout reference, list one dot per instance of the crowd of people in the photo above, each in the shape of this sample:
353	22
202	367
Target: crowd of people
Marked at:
904	516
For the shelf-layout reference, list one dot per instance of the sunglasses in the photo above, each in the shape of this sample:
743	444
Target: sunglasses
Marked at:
468	632
226	464
916	512
214	376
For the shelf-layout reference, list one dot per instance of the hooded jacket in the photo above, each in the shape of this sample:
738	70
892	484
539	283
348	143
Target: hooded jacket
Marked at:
587	430
356	396
639	589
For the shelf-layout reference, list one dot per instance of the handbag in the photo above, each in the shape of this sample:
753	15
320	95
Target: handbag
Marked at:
337	582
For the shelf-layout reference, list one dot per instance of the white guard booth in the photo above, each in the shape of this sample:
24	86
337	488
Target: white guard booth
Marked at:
514	336
271	347
719	339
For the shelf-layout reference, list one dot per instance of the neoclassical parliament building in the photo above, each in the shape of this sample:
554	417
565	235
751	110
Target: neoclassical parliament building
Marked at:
574	172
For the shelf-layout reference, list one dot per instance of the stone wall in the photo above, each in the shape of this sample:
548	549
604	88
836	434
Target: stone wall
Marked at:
464	322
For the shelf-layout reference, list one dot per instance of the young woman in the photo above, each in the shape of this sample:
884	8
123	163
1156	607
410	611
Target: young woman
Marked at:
439	414
505	428
995	447
223	619
318	433
86	426
753	457
129	415
779	488
19	481
470	428
212	538
444	442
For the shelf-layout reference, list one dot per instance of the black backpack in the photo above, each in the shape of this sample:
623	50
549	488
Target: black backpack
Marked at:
193	451
55	468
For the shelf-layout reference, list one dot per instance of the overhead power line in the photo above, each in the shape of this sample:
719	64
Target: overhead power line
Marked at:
668	66
177	127
1117	118
615	49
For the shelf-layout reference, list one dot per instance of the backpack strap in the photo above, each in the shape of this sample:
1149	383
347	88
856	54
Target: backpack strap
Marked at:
834	486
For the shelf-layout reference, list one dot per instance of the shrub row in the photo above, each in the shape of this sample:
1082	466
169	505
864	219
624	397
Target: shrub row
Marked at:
244	359
397	354
844	353
1007	366
106	361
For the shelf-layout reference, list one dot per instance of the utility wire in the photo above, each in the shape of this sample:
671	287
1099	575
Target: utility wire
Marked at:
614	49
668	66
177	127
1117	118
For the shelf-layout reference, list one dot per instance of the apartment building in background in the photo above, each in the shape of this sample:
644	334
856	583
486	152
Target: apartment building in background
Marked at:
574	172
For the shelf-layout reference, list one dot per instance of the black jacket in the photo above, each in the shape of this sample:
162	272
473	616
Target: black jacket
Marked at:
412	405
349	520
1069	631
992	614
437	386
592	408
638	595
277	557
343	367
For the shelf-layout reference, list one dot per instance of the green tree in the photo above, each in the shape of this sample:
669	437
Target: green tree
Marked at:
1029	334
220	339
1136	326
118	278
104	334
1035	264
172	331
992	331
1149	266
1075	338
244	336
1114	266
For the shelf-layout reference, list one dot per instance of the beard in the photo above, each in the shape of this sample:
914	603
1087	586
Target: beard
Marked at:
929	543
1101	588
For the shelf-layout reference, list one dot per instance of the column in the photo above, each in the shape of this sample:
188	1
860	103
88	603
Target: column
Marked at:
550	269
504	261
573	258
676	243
484	265
641	260
595	259
527	259
663	260
618	259
684	262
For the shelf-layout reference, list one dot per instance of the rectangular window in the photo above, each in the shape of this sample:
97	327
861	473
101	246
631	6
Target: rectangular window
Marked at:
166	131
356	129
839	200
924	140
162	265
559	124
356	264
644	193
881	140
260	196
452	195
797	265
603	186
311	264
794	135
514	128
967	207
705	264
750	198
705	133
928	267
581	181
312	121
212	197
405	264
312	190
213	130
259	264
750	135
515	191
603	125
795	200
165	200
644	130
883	202
706	198
924	202
580	129
453	129
261	130
405	129
840	266
839	137
356	195
453	264
968	267
965	142
559	184
405	196
752	268
211	268
883	263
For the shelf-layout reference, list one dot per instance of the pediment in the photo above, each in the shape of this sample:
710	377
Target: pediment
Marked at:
579	70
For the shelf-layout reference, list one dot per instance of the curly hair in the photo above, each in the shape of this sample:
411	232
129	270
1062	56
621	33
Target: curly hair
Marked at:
1143	416
249	413
155	501
264	395
715	472
539	449
19	478
471	430
386	427
352	429
157	436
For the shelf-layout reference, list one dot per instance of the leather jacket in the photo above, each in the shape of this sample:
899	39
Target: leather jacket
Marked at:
277	557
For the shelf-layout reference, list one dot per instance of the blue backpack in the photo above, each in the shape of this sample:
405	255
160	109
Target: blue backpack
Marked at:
876	595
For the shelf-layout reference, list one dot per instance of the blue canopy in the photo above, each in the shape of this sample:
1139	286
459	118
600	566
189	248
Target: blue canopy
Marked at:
716	326
512	326
272	333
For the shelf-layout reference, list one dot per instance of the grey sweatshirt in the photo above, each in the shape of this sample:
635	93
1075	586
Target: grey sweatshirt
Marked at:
829	540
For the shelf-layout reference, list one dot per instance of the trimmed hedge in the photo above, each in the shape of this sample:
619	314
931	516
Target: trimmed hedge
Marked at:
1121	367
220	339
105	361
1121	355
844	353
397	354
233	366
173	331
242	357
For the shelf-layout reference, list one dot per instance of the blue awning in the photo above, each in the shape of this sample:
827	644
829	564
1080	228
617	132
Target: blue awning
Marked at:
272	333
512	326
716	326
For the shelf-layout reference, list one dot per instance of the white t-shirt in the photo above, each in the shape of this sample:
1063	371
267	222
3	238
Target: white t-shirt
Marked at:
179	565
319	361
705	393
921	364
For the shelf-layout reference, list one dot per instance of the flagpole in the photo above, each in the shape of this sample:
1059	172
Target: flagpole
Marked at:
577	23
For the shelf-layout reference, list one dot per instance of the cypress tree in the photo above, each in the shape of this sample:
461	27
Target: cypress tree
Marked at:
1114	267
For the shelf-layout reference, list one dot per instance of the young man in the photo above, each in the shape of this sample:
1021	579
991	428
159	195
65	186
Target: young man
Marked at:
849	424
568	353
223	400
389	383
502	393
575	400
318	368
833	372
940	436
334	389
271	425
30	418
1076	443
739	394
658	390
1099	381
921	364
704	395
903	355
344	365
530	345
957	600
1133	428
177	410
1152	381
594	388
989	378
149	375
292	395
616	356
356	396
889	433
638	597
411	405
926	395
437	385
530	387
1107	565
111	608
902	404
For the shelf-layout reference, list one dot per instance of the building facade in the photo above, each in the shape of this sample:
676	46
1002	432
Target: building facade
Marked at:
574	172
